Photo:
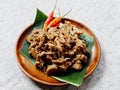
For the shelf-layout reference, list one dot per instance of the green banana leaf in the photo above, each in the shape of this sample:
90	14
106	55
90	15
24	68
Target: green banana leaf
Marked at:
74	78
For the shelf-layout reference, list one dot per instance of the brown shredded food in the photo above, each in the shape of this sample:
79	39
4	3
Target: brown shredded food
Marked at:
58	49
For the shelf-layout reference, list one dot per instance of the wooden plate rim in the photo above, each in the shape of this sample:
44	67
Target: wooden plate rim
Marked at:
61	83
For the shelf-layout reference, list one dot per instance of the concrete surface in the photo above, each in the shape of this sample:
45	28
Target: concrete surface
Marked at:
101	16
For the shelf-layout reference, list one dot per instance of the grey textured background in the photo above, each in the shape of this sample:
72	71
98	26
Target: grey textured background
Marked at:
101	16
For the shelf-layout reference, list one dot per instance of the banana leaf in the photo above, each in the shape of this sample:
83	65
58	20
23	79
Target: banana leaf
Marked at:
75	78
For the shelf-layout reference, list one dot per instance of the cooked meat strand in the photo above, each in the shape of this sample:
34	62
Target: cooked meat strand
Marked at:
58	49
77	66
51	69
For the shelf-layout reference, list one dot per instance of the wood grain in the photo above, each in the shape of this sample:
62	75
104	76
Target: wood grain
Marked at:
30	70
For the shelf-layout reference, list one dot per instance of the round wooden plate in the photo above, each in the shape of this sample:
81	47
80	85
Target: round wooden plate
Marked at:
30	70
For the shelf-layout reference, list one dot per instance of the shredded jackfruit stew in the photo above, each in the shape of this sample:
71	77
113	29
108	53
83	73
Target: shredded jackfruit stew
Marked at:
58	49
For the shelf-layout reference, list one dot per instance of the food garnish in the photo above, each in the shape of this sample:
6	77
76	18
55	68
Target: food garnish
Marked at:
73	77
58	50
50	17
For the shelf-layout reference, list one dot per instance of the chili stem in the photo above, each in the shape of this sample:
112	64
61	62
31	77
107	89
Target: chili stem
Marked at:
55	5
59	12
67	13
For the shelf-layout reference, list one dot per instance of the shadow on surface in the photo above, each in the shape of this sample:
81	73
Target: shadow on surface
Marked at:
88	83
95	77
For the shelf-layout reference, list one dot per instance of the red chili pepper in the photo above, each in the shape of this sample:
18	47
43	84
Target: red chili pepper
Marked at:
57	20
57	25
50	18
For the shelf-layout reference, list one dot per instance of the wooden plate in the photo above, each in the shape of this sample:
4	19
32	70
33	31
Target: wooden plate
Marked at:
30	70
